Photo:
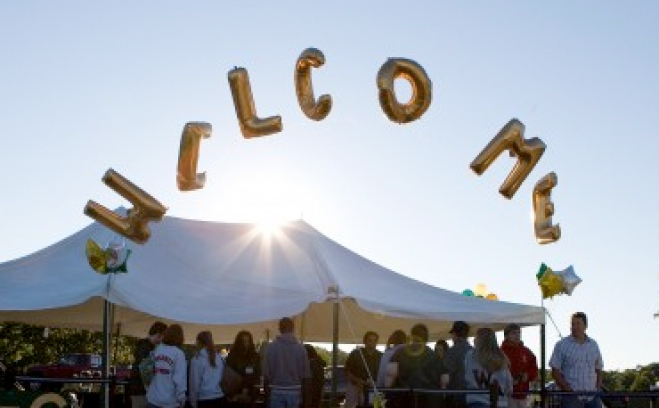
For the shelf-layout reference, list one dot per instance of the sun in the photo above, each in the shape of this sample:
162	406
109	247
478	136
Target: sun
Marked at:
267	201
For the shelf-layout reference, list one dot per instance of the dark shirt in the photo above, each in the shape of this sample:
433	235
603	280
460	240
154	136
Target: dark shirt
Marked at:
248	365
355	364
142	350
455	363
417	367
317	366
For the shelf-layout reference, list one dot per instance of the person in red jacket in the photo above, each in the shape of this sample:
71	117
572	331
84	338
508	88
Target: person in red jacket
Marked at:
523	365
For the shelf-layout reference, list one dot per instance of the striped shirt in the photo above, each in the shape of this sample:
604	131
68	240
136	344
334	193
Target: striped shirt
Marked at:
577	362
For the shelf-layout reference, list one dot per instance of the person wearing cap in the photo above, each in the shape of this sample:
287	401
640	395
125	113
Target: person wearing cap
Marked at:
576	365
454	361
523	365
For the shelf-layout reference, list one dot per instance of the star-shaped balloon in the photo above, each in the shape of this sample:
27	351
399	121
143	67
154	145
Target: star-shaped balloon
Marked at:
110	260
550	283
570	280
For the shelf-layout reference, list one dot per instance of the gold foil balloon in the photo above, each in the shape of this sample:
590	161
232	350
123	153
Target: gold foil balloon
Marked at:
309	58
96	257
187	177
550	284
243	101
527	151
113	259
492	296
407	69
569	279
543	209
135	225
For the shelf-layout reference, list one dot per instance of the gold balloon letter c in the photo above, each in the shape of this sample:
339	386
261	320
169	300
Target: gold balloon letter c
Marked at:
527	151
543	208
250	124
396	68
135	225
188	156
311	57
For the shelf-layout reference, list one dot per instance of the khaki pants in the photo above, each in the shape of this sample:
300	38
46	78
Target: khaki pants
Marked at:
138	401
354	396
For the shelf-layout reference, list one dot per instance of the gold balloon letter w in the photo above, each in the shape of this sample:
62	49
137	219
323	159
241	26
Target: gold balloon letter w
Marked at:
135	225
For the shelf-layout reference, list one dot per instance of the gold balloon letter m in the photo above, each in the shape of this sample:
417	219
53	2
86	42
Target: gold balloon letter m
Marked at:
135	225
527	151
543	208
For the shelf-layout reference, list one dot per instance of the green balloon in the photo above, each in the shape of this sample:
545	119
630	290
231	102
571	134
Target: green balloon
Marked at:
468	292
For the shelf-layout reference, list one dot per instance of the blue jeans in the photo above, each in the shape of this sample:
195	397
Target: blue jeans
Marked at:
285	398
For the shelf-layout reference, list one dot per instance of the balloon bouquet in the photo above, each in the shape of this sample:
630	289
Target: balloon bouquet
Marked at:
112	259
553	283
480	291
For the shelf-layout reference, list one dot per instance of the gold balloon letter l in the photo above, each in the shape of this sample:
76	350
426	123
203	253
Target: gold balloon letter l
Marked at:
527	151
243	101
421	90
188	156
311	57
135	225
543	208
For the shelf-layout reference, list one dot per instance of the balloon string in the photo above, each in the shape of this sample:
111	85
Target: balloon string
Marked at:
344	310
554	323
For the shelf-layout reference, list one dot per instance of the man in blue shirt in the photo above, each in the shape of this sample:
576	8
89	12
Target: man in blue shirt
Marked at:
576	365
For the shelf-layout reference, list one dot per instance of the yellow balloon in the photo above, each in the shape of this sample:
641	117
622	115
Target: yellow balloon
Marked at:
396	68
96	257
543	208
550	284
492	296
527	152
187	177
311	57
135	225
480	290
243	101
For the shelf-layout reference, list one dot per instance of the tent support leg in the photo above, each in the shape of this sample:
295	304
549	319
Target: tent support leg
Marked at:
105	387
543	376
335	351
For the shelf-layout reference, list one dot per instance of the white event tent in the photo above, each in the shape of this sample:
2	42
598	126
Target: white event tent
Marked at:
227	277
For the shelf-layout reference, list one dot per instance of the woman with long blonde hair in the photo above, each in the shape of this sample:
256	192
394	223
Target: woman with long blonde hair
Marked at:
487	365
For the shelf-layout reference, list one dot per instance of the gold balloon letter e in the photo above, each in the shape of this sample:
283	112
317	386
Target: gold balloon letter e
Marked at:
135	225
243	101
527	151
543	208
187	177
396	68
311	57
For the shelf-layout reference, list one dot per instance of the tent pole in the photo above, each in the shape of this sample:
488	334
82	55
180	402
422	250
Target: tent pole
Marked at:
543	375
105	388
335	346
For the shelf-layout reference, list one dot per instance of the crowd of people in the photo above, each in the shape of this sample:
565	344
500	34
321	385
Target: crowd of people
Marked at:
293	373
288	370
507	368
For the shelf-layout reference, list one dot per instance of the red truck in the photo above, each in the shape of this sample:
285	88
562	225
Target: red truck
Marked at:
72	365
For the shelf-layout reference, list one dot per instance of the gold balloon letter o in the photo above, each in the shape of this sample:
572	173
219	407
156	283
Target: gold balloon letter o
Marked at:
396	68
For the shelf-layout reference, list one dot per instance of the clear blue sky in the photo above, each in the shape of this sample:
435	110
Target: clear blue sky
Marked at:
85	87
